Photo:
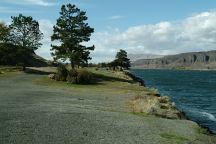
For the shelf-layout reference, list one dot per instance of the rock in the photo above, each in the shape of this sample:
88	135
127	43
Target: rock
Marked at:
51	76
192	60
157	95
135	78
158	106
164	99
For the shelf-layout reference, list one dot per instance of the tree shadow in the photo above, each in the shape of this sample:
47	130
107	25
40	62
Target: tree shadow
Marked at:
98	78
34	71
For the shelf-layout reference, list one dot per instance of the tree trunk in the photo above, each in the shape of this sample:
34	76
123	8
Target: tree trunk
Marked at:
23	67
72	65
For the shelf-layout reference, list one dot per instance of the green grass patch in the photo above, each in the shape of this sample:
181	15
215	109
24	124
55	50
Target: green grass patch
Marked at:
140	114
201	130
9	71
104	85
174	138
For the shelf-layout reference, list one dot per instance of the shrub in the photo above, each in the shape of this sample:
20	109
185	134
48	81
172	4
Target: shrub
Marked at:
72	76
61	74
84	77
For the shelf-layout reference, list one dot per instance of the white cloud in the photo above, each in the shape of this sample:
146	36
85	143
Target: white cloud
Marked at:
46	27
195	33
116	17
13	10
32	2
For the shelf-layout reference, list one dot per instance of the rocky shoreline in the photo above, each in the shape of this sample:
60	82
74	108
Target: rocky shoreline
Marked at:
161	102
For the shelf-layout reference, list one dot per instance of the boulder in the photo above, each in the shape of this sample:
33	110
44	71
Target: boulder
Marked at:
51	76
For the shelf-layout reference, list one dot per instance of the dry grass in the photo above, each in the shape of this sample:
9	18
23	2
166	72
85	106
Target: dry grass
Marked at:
153	105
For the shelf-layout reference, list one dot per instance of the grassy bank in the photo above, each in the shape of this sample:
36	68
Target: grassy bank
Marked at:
9	71
142	99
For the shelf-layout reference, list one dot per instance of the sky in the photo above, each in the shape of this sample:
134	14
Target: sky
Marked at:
160	27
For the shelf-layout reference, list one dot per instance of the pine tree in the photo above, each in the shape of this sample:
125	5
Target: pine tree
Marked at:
70	31
122	60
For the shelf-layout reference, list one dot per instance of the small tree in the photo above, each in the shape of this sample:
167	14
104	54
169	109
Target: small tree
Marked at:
122	60
25	32
71	30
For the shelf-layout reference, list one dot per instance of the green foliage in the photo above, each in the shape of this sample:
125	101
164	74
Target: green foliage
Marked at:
174	138
61	74
25	32
113	64
201	130
14	55
72	76
71	30
4	32
81	76
102	65
19	40
84	77
122	60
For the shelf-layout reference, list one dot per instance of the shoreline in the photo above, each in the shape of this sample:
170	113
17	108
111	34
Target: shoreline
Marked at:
140	81
178	69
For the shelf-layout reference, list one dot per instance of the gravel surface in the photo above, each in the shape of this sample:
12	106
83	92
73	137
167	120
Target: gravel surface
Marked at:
34	114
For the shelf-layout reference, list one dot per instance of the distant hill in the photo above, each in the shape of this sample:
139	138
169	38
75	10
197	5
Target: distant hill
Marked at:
192	60
135	57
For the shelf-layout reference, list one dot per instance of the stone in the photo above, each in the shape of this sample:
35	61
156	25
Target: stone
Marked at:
51	76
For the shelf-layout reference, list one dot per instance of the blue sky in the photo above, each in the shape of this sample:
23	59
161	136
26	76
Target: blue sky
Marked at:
139	26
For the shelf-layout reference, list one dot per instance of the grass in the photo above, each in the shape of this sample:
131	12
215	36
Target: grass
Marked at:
201	130
175	139
140	114
9	71
103	79
106	86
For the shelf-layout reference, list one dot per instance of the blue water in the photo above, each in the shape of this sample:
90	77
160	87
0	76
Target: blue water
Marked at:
194	92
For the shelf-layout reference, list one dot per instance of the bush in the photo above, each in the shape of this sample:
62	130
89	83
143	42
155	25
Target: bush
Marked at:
80	76
84	77
61	74
72	76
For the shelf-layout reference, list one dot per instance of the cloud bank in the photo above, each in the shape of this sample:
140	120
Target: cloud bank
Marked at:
195	33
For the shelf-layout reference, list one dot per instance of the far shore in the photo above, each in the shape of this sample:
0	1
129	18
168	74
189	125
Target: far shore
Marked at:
186	69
